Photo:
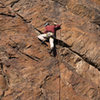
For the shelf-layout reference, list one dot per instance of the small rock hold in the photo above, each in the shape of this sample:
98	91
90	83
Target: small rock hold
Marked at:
2	82
1	92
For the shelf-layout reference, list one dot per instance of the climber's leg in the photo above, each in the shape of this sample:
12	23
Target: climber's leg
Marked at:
51	40
42	37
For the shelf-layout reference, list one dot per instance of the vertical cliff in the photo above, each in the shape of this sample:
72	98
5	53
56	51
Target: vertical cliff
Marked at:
28	72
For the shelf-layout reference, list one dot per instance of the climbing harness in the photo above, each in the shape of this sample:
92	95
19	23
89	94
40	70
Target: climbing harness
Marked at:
49	34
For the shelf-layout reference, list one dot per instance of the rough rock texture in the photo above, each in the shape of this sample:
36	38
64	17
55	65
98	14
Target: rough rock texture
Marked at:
28	72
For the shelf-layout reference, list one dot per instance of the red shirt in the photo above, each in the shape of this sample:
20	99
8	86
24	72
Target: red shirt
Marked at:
51	28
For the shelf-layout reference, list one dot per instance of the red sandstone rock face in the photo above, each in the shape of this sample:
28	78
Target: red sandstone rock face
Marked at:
28	72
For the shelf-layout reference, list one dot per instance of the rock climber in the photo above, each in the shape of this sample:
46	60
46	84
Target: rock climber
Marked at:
50	31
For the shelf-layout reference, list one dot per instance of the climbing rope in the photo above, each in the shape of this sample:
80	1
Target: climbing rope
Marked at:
59	59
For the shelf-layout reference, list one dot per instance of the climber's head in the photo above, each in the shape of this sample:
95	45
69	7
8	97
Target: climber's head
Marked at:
46	24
